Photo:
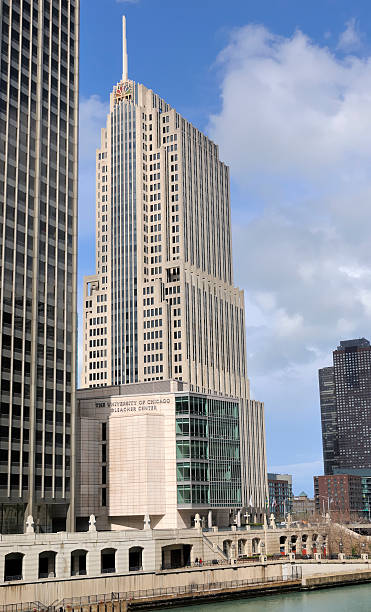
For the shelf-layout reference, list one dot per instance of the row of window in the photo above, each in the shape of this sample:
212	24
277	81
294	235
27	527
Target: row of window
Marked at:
152	335
99	331
153	369
153	357
98	376
98	342
95	365
152	323
154	346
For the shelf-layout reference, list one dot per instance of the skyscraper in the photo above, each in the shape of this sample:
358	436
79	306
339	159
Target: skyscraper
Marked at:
330	442
345	397
162	304
38	199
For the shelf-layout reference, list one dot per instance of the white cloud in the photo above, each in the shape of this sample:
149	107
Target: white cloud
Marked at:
301	108
294	126
301	151
350	39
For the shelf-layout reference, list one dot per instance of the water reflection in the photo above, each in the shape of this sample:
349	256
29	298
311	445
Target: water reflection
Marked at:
341	599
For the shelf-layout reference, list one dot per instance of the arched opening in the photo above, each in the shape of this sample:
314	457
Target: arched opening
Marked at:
135	559
78	562
241	548
177	555
47	564
13	569
283	541
227	548
293	543
256	546
108	561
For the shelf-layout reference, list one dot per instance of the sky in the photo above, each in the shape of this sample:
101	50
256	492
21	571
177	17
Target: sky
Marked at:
284	88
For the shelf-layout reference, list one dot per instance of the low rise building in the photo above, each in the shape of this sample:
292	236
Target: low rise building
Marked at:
339	495
158	452
280	494
365	475
303	507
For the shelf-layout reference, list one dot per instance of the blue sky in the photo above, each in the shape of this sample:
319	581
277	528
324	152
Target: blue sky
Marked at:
284	87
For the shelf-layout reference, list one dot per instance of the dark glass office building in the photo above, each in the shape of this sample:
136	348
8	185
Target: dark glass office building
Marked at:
330	442
345	397
38	230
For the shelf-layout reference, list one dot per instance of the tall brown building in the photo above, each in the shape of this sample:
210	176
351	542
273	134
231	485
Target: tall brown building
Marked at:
345	396
38	230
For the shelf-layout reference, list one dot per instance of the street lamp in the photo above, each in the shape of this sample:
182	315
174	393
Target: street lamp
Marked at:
340	546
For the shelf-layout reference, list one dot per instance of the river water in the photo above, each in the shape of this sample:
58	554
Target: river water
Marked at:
340	599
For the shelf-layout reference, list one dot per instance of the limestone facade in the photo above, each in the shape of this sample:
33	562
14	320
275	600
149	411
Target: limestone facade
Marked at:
83	555
156	451
162	304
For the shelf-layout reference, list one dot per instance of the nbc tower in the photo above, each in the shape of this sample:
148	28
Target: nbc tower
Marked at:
162	305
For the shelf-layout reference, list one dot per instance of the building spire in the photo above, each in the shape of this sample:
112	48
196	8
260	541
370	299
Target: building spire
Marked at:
124	51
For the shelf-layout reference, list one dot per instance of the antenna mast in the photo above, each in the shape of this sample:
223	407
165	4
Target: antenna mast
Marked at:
124	51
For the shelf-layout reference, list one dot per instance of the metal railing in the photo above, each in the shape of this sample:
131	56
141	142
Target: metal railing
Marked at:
215	547
77	602
66	604
32	606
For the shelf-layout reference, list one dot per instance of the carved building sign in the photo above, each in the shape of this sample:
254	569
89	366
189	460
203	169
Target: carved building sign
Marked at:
134	406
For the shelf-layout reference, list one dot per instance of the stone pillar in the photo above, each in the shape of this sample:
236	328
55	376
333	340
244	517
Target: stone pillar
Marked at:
2	567
93	563
63	564
233	553
30	525
198	522
147	522
30	566
122	559
149	557
92	523
210	519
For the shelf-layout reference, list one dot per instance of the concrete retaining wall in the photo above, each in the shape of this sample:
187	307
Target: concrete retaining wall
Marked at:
323	580
52	590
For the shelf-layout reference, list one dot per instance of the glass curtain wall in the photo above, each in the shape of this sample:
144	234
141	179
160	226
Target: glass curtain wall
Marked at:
208	451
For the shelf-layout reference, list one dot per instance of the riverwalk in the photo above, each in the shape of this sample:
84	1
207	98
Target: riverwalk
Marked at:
151	599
